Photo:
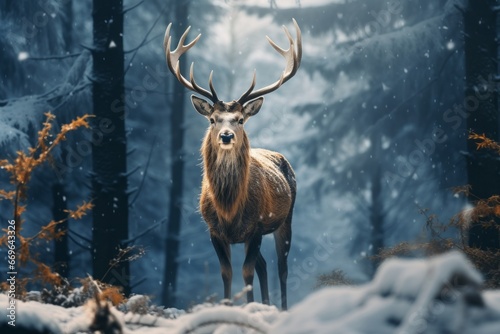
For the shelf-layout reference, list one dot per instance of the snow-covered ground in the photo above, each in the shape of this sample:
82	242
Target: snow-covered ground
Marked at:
437	295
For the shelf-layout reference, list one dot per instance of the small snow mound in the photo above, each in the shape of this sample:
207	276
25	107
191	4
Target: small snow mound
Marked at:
138	304
436	295
229	319
32	317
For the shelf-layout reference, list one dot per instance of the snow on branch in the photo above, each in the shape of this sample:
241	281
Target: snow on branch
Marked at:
404	42
19	116
430	35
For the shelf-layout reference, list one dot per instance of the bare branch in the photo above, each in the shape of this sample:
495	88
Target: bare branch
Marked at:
143	42
78	243
126	10
54	57
145	173
143	233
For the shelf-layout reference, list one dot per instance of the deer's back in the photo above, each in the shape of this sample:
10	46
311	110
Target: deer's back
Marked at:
272	189
272	173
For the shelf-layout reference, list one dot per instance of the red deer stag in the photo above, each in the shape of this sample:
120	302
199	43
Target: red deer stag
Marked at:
245	193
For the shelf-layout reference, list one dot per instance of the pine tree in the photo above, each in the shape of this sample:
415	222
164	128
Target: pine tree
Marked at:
109	155
177	166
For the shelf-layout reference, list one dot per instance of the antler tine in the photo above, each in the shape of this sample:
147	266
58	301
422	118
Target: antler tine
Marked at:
211	85
212	96
252	85
166	40
292	58
173	58
299	42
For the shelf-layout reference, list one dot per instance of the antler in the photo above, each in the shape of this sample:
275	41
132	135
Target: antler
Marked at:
292	65
173	58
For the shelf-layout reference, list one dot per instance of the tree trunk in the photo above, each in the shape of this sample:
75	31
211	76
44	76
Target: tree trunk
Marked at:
376	209
177	171
109	158
67	30
61	251
481	64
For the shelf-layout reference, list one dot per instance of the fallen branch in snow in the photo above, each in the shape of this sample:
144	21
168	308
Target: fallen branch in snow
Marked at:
242	293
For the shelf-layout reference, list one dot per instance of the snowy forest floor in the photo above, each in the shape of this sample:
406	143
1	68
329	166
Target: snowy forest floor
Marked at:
436	295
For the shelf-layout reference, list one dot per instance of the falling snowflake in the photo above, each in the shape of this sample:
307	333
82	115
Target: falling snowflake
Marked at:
23	56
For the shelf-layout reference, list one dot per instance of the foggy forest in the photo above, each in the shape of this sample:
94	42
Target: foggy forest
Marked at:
391	124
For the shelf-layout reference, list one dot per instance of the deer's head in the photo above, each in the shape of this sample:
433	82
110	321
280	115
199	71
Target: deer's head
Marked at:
228	118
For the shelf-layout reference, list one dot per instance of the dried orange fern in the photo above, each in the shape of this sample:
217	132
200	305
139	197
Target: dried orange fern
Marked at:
20	171
483	142
102	291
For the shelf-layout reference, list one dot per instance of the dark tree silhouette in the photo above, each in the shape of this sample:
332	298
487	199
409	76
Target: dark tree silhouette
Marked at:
61	250
177	169
377	214
109	156
67	21
59	193
481	65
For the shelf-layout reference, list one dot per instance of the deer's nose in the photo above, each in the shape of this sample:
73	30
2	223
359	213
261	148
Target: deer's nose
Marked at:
226	137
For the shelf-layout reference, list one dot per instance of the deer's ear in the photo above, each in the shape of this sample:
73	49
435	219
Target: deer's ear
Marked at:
253	107
201	106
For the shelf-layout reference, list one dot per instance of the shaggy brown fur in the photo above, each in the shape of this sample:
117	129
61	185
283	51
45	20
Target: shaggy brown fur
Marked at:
245	192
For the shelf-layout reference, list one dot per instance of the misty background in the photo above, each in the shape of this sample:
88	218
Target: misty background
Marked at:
368	123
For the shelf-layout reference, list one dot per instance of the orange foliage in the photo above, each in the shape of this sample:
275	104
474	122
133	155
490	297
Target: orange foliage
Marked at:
104	292
113	294
46	275
7	194
80	211
483	142
20	171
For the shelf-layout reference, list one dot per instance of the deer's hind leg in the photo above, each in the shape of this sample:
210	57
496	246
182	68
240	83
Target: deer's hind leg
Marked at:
261	269
283	239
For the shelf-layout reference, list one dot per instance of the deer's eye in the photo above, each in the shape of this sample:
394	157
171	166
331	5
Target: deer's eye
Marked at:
240	121
212	121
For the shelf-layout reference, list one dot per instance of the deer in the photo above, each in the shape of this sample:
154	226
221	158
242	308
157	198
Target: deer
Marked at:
246	192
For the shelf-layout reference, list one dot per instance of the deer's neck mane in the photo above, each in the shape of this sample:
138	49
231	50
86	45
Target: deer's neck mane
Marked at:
227	173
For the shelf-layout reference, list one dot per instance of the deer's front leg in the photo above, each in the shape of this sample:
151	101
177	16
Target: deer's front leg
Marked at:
252	248
223	251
